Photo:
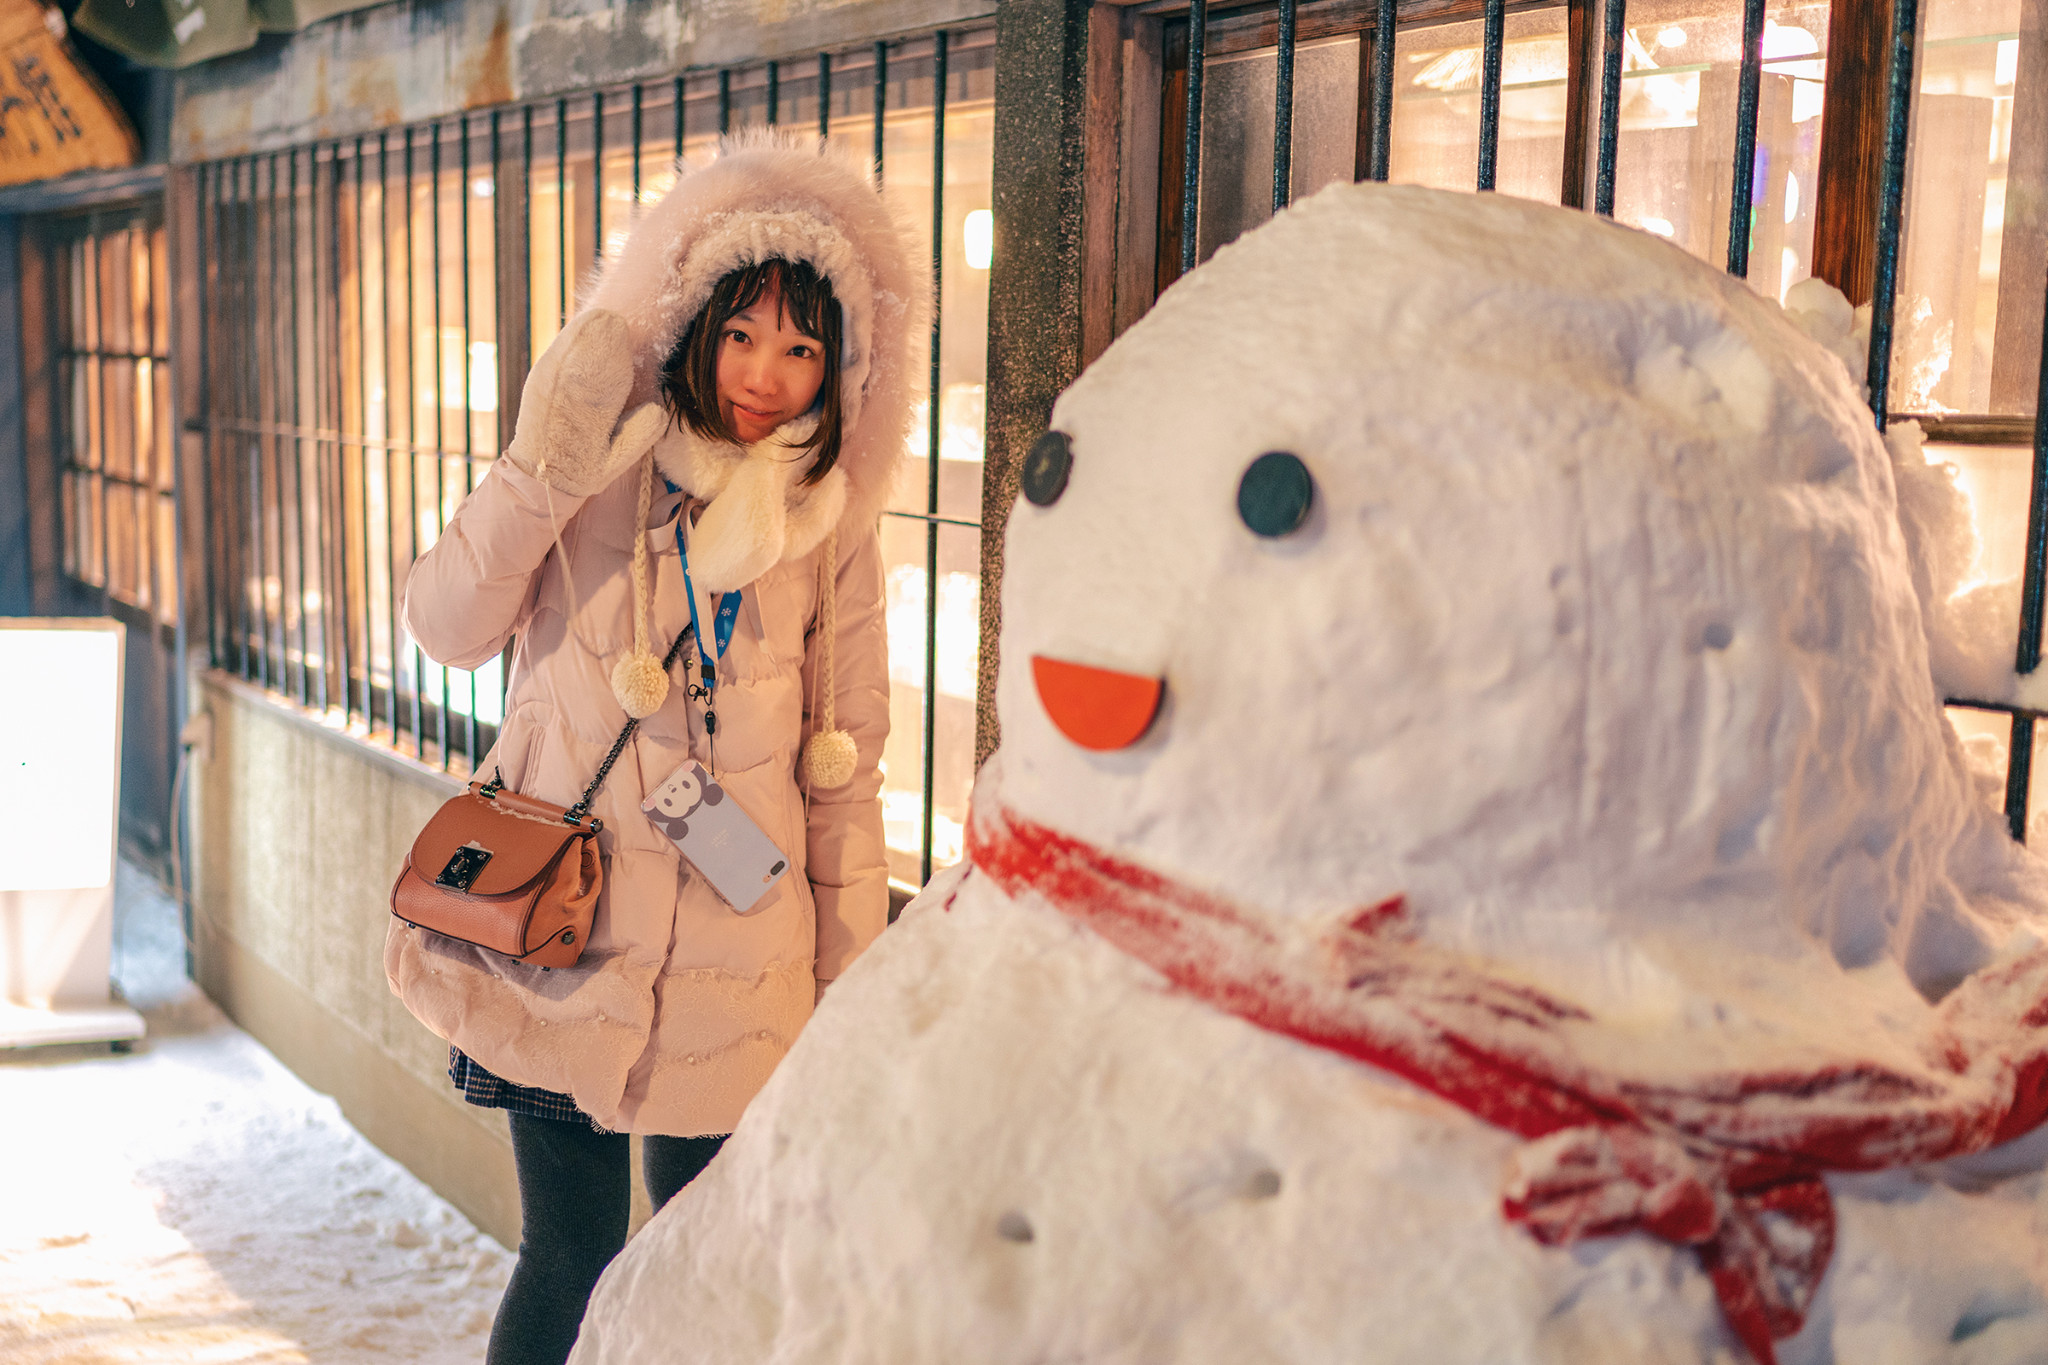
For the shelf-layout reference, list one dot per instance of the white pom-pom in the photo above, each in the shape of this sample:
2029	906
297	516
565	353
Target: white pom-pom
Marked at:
639	684
829	759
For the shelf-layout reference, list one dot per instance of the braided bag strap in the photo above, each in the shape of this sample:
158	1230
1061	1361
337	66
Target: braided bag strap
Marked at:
576	812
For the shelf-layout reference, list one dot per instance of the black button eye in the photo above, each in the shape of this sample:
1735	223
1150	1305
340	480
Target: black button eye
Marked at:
1275	494
1046	468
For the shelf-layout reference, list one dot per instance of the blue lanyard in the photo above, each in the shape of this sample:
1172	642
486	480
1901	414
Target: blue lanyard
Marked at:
721	624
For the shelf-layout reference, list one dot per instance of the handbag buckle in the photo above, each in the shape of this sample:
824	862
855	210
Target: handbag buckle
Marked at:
464	867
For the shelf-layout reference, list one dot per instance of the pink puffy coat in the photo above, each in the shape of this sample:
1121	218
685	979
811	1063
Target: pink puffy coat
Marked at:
680	1008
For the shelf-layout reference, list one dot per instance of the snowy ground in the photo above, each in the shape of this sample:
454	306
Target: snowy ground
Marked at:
194	1201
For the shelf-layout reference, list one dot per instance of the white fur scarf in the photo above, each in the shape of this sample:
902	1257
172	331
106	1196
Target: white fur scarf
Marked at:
760	513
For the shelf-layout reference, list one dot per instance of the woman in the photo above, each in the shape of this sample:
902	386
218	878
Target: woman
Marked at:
737	392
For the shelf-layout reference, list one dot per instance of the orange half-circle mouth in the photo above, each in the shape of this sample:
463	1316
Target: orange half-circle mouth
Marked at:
1097	708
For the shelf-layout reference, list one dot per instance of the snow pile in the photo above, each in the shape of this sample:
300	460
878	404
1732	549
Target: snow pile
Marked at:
1972	623
195	1201
1601	648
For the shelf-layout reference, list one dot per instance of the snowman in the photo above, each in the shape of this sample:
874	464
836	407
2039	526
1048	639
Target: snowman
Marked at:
1476	872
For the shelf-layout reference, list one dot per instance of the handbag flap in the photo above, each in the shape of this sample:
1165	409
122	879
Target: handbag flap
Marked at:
513	846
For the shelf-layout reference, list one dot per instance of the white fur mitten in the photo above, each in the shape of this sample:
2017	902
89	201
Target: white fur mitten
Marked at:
570	435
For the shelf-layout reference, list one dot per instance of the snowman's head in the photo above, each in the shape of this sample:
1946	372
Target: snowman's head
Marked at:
1504	557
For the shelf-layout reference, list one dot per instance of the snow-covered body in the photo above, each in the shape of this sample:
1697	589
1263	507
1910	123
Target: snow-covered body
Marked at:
1601	650
1198	1191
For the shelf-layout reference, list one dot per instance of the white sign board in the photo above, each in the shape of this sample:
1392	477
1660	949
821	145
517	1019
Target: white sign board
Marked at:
60	753
60	793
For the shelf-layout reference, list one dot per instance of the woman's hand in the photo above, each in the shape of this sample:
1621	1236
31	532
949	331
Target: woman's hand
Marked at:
570	434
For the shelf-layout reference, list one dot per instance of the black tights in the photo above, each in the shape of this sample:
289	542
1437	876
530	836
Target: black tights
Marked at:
575	1199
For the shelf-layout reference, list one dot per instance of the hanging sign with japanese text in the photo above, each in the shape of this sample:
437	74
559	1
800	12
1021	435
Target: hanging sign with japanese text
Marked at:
55	117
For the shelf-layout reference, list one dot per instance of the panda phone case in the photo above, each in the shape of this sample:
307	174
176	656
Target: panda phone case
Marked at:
720	840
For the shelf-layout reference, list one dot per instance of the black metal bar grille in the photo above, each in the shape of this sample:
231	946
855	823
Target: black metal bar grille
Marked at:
1383	42
1884	289
881	95
2027	657
932	442
1495	19
824	94
353	296
1283	109
1615	12
1743	185
1191	164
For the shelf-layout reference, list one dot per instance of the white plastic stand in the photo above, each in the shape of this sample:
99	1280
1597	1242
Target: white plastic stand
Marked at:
60	798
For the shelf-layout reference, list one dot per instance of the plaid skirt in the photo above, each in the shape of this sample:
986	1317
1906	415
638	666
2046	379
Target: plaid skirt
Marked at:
480	1087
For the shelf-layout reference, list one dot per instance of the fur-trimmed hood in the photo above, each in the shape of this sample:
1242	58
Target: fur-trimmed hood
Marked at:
769	193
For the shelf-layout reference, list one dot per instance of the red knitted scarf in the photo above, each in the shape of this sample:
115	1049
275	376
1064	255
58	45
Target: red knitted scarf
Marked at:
1725	1162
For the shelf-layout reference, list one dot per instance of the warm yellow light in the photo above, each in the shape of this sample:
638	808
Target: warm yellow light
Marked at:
483	376
978	235
1787	40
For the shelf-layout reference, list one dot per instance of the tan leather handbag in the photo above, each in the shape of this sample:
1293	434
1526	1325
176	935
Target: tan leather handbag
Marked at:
508	872
505	872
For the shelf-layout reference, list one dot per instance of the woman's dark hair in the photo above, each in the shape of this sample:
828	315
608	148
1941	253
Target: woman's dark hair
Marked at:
689	377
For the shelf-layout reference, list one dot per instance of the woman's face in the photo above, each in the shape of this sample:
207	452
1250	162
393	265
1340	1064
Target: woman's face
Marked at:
768	372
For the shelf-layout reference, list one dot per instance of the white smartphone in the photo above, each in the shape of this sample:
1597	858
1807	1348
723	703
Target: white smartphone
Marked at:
718	838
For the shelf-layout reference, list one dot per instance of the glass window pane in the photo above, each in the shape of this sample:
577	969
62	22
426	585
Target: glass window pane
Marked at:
1237	133
616	199
853	102
93	403
160	409
166	593
658	139
142	301
914	618
380	562
68	508
121	538
965	260
78	409
1681	70
93	500
1976	171
1996	481
160	273
110	260
1435	135
374	301
797	94
77	325
551	228
749	96
479	348
142	419
907	186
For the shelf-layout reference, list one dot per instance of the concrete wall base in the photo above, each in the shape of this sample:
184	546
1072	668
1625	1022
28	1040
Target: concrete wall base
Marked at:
298	829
